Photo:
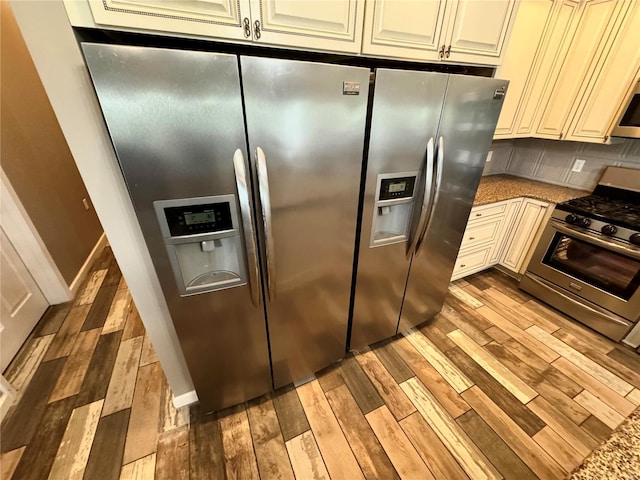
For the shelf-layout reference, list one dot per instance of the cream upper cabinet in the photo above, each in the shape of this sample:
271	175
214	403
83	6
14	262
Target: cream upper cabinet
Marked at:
605	93
477	30
312	24
400	28
597	20
229	19
519	62
455	31
585	64
549	60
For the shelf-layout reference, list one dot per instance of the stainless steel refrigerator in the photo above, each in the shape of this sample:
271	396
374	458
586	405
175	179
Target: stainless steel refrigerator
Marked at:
244	174
430	134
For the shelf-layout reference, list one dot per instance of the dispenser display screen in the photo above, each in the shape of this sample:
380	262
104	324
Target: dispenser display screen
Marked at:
396	188
204	217
195	219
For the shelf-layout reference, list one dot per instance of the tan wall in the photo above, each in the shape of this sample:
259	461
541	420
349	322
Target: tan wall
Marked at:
37	160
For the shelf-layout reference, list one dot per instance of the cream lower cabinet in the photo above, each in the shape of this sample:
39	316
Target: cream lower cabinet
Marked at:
310	24
455	31
528	222
500	233
484	236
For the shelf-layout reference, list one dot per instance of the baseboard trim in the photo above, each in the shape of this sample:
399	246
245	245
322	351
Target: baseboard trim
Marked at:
84	270
185	399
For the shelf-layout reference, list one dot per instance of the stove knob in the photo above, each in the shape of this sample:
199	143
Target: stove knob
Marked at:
571	219
609	230
635	239
584	222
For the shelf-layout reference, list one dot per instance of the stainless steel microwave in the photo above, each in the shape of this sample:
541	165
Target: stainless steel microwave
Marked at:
629	123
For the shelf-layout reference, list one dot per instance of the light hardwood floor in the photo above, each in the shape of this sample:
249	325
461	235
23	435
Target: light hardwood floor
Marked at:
496	386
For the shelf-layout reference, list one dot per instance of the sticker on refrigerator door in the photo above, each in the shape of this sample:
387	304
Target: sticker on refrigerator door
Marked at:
351	88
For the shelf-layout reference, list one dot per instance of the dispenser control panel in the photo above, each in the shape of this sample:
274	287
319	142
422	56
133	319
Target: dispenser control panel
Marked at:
197	219
396	188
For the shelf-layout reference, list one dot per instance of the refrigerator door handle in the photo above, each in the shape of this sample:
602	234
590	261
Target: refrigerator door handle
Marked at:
265	201
426	199
247	224
438	172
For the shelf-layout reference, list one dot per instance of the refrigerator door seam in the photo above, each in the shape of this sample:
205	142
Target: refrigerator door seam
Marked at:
265	201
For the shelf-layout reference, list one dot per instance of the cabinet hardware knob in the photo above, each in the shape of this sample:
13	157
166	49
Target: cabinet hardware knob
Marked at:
462	266
478	214
472	238
448	52
246	25
441	52
256	29
560	136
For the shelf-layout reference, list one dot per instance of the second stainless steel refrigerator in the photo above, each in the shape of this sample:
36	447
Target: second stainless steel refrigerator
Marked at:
251	230
430	133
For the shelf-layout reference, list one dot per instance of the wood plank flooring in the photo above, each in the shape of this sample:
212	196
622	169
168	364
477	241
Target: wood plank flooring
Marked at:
496	386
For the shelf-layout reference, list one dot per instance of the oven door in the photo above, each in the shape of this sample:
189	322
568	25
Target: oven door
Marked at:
604	271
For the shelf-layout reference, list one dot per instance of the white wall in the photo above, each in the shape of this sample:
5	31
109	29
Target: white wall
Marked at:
551	160
56	55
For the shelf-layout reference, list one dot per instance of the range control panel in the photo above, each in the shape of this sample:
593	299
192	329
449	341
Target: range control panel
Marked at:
196	219
396	188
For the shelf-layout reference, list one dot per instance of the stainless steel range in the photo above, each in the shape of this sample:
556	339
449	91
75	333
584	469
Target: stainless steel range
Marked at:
587	263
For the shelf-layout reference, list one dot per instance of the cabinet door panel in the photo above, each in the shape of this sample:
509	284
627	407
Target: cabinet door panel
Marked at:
524	231
404	28
517	66
619	70
555	47
596	22
314	24
479	27
217	18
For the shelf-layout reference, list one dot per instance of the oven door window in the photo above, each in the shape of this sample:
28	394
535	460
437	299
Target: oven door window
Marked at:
609	271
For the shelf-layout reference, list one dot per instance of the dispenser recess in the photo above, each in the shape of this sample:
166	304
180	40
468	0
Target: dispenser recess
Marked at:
393	207
203	241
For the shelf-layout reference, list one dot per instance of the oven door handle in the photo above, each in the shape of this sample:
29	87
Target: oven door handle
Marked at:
608	244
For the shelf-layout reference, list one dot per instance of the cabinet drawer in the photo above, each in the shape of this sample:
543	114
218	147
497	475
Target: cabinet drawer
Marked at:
481	233
471	262
485	211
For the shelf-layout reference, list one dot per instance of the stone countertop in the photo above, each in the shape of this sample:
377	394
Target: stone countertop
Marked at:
496	188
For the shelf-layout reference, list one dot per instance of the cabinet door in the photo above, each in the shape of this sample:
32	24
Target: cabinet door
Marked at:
599	105
312	24
527	223
215	18
534	16
477	30
596	22
508	220
549	61
400	28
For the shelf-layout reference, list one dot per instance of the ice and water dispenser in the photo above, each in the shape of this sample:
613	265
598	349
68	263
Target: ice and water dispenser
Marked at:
393	205
203	241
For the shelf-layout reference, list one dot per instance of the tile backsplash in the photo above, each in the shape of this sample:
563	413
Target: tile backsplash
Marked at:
552	161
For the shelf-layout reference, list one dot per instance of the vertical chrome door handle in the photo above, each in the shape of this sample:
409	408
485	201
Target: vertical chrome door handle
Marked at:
426	198
247	225
438	169
265	202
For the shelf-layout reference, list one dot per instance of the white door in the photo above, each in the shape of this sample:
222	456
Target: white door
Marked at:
22	302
